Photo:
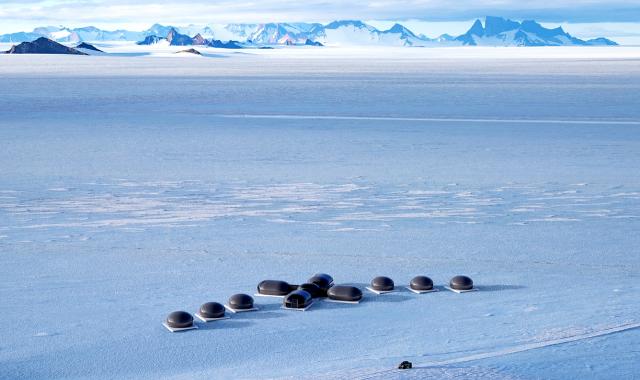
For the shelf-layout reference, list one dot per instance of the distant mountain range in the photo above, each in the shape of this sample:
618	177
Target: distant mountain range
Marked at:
175	38
495	31
498	31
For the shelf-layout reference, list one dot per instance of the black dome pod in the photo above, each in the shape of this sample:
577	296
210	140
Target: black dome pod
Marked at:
382	284
312	289
323	280
241	302
179	320
274	288
212	310
421	283
344	293
298	299
461	283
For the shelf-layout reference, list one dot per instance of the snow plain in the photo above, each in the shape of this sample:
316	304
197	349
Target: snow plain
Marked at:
132	186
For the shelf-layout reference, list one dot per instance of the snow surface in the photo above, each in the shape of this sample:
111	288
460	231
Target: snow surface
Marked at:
133	186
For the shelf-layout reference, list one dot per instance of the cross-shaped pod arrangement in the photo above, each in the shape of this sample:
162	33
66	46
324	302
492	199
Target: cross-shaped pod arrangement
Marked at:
301	297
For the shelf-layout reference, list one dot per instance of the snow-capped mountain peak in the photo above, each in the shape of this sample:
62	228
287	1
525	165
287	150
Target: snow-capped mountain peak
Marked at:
476	29
498	31
495	25
158	30
397	28
350	32
355	24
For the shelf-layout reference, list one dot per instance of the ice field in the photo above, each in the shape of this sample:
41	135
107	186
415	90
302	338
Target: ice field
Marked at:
132	186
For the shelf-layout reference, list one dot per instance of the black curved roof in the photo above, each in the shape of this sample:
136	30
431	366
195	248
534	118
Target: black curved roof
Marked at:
313	289
275	288
382	283
344	293
179	320
461	283
298	299
241	301
323	280
421	283
212	310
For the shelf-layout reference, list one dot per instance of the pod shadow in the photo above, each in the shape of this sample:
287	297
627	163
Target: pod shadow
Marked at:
394	297
499	288
265	311
225	324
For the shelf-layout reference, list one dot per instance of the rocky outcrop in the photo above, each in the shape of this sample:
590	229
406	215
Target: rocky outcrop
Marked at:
43	46
87	46
189	51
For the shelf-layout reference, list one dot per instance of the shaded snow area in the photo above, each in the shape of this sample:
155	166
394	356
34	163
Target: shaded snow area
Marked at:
131	187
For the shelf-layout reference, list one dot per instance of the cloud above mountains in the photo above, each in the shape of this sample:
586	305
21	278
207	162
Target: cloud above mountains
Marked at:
30	12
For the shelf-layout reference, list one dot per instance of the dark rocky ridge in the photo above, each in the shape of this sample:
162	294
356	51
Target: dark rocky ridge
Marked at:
190	51
87	46
43	46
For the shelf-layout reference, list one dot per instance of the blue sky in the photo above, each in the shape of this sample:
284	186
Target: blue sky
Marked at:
619	18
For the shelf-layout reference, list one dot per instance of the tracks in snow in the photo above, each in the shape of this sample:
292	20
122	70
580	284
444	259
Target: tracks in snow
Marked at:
509	350
426	119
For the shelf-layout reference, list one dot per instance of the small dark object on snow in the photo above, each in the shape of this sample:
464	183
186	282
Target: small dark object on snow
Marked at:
298	299
461	283
275	288
421	283
241	302
312	289
179	320
212	310
405	365
382	284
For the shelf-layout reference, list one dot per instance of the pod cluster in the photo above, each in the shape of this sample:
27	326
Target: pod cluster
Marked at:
300	297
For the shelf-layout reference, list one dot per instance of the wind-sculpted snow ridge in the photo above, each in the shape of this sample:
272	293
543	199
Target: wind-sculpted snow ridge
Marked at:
345	207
